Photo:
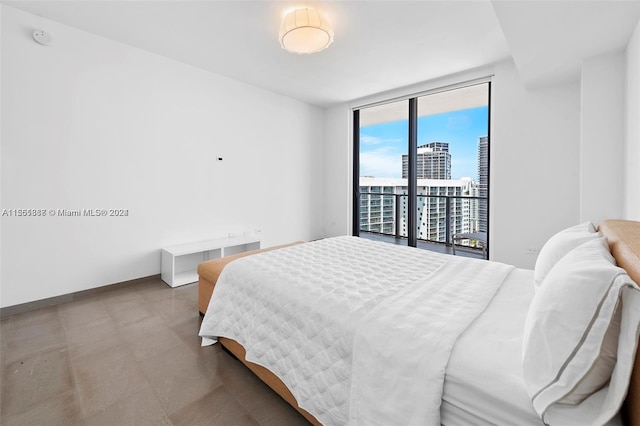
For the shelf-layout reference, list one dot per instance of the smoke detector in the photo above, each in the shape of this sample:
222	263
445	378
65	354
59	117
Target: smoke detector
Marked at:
42	37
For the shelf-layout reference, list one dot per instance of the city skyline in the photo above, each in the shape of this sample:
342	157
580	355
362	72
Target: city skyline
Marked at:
382	145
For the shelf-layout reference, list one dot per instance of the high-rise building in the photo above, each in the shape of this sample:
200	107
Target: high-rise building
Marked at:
433	161
483	181
384	204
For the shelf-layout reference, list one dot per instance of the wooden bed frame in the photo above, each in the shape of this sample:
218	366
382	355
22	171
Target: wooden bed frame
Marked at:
624	241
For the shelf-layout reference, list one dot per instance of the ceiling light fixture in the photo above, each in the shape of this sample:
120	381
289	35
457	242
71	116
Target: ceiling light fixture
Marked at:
305	31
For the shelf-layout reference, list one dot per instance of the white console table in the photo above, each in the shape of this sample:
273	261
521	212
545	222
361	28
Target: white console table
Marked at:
180	262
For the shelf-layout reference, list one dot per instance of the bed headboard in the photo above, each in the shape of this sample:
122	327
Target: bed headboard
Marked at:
624	242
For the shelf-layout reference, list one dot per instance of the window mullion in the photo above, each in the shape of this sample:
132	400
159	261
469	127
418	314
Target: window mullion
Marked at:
412	182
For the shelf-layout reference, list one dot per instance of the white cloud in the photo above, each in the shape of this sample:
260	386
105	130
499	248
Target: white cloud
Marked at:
374	140
380	163
380	156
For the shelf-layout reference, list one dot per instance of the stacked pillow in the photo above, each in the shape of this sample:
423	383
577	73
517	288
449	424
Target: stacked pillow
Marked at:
571	336
559	245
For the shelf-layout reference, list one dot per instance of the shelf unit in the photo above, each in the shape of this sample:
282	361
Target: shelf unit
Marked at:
180	262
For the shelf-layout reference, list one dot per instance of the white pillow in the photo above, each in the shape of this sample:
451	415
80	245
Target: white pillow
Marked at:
570	340
559	245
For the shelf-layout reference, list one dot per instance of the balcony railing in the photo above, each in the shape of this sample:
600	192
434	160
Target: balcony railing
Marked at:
440	217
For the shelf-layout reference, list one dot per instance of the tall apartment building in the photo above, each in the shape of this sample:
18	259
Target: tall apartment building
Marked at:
433	161
387	200
483	181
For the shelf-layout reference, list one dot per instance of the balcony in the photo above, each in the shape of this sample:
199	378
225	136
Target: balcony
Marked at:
474	253
446	217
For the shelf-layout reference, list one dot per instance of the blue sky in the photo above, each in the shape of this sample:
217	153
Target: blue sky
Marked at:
382	145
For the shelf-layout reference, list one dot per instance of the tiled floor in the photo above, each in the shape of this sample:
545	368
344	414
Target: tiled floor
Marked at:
129	356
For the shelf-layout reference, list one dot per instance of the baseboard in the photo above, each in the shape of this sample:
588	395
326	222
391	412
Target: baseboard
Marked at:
56	300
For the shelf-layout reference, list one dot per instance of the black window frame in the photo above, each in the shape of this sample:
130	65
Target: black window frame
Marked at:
412	172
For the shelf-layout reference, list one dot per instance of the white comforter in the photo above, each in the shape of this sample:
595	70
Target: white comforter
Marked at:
359	331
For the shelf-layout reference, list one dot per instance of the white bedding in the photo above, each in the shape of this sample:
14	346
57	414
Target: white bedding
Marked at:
305	313
484	382
402	347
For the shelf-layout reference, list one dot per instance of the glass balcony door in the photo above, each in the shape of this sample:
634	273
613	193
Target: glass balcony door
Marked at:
383	135
421	167
452	163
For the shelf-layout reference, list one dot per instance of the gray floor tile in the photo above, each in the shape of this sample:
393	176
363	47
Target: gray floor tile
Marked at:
216	408
149	337
126	312
105	377
27	336
127	356
172	309
178	378
76	314
96	336
60	410
31	380
139	409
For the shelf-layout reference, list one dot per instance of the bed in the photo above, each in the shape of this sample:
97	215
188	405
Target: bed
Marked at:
339	328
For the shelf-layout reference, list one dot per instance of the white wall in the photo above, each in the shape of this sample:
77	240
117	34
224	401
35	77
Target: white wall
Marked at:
632	134
88	123
602	133
338	160
535	142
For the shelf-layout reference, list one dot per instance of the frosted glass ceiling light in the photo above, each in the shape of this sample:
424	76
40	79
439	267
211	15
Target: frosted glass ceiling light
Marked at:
305	31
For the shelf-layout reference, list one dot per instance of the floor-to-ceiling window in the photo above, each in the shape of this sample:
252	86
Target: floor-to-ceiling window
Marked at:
383	142
421	168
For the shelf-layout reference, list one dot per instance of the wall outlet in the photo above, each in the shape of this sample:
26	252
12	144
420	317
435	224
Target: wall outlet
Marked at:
532	250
